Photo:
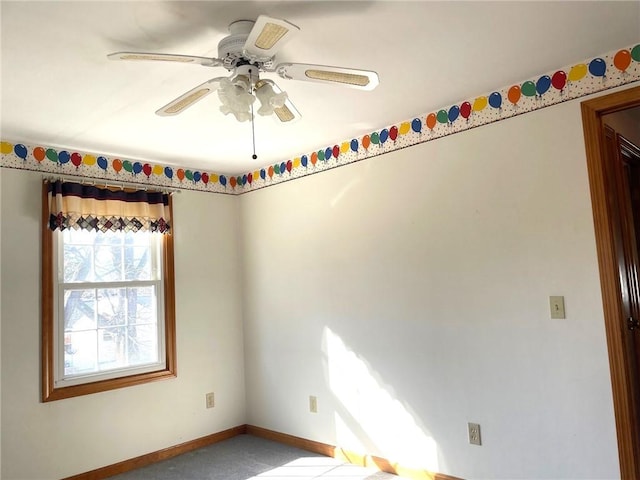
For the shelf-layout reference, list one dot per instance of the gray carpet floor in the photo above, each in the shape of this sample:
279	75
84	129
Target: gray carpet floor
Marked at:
246	457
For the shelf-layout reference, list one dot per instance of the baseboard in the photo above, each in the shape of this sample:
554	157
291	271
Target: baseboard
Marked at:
153	457
298	442
346	455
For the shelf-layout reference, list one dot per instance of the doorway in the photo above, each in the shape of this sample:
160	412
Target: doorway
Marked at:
614	181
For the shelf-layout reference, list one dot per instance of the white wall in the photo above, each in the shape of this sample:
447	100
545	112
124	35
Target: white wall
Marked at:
58	439
410	294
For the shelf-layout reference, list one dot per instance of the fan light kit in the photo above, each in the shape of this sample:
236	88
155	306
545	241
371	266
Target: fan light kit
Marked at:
246	52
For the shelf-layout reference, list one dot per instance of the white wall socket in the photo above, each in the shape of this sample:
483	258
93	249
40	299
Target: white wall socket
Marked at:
313	404
474	434
211	401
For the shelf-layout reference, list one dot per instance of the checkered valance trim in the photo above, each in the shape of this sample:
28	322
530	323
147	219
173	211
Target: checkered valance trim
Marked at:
87	207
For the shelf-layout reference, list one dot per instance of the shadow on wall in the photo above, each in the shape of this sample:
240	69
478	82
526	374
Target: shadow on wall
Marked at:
367	417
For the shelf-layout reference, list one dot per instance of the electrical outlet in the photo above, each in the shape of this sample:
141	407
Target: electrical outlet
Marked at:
474	434
313	404
211	402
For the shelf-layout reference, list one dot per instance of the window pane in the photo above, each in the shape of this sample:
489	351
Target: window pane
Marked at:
111	348
142	344
142	305
137	263
108	263
80	352
111	307
78	237
78	263
108	238
79	309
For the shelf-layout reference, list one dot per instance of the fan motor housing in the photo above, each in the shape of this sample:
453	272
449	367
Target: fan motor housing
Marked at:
231	47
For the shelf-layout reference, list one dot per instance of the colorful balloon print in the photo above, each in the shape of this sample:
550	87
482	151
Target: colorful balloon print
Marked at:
375	138
303	160
223	180
354	145
622	60
52	155
321	155
366	141
635	53
442	116
213	178
289	166
327	153
21	151
384	135
543	84
197	176
296	163
6	148
76	159
157	170
431	121
128	167
514	93
393	133
117	165
336	151
344	147
38	153
102	163
465	110
147	170
404	128
559	80
479	104
577	72
263	174
168	172
416	125
89	160
180	174
137	168
233	182
528	89
250	178
495	100
597	67
64	157
243	180
205	178
454	112
314	158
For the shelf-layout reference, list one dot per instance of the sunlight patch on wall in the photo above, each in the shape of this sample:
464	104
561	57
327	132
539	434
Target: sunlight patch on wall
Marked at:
372	417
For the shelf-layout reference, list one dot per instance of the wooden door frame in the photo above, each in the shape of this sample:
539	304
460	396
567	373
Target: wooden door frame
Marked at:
592	112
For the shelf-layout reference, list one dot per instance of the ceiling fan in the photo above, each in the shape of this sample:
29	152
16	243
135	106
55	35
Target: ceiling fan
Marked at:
249	50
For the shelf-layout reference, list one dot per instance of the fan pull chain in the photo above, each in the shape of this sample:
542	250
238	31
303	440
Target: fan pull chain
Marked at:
253	129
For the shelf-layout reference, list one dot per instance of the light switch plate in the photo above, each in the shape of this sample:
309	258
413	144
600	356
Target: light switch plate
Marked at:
556	304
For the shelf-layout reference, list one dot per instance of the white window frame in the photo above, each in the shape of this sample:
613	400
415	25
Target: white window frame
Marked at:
59	287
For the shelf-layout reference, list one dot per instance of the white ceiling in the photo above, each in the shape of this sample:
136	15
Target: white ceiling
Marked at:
59	89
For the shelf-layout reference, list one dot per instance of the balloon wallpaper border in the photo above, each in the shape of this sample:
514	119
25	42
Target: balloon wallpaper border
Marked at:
616	68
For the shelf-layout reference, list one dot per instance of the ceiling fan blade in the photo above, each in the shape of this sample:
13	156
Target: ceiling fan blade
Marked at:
267	36
350	77
288	113
192	96
165	57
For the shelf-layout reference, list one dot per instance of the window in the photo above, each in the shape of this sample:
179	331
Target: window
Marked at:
107	288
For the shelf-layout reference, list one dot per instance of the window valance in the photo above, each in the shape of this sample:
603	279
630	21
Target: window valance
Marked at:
89	207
